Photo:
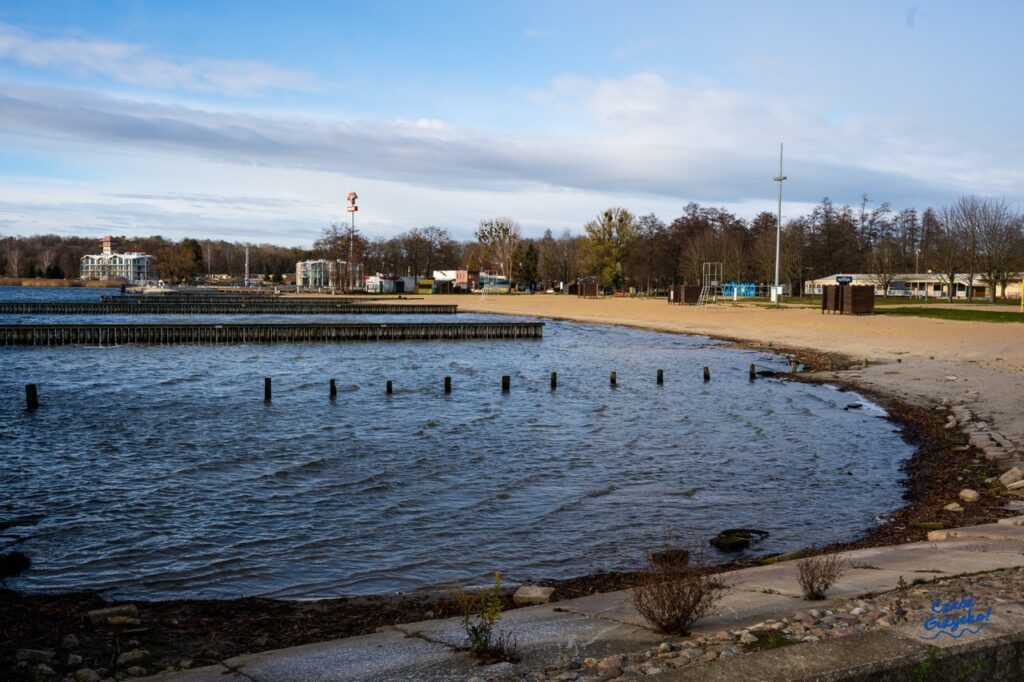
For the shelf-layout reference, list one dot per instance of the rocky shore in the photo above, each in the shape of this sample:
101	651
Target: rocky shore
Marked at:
914	604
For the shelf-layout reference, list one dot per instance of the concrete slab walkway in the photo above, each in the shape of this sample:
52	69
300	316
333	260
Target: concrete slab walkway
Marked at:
562	632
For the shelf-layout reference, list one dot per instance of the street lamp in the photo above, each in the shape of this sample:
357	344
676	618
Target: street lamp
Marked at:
352	208
778	231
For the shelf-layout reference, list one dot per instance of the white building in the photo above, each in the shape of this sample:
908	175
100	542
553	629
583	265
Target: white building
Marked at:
920	285
133	266
327	274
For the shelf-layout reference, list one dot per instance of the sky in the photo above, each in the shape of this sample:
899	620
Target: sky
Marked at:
251	121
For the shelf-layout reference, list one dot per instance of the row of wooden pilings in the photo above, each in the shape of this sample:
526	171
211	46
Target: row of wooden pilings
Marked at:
230	333
186	307
32	391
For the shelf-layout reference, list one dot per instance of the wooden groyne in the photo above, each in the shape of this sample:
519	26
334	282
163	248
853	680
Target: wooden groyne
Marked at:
189	333
260	307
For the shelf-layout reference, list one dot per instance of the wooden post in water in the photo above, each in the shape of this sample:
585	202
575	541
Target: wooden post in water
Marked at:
389	389
447	384
266	389
506	383
554	380
792	365
334	390
661	377
612	379
707	374
752	372
31	397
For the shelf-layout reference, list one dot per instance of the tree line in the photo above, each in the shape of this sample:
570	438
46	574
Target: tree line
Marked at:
972	236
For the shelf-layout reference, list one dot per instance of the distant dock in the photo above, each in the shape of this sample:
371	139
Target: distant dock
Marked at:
255	306
215	334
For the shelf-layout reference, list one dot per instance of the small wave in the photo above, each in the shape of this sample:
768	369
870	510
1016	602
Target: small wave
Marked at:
600	492
305	466
685	493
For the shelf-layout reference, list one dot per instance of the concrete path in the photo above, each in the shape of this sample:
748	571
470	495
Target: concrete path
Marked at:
601	625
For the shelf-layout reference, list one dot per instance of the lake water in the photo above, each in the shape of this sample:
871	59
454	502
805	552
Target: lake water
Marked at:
158	472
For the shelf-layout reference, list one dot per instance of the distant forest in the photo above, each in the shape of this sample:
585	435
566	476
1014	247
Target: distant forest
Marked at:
972	236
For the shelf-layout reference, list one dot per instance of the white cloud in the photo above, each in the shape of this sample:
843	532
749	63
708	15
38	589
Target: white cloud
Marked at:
642	141
136	65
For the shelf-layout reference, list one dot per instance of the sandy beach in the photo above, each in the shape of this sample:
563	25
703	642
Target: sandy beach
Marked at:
918	360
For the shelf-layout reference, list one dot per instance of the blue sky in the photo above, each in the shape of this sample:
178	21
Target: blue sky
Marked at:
252	121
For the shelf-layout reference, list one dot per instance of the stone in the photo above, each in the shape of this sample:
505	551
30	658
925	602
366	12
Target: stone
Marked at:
654	671
1011	476
953	507
1015	486
186	663
35	655
133	657
87	675
74	660
664	648
968	495
589	662
100	616
529	595
123	620
69	643
748	638
136	671
43	670
610	666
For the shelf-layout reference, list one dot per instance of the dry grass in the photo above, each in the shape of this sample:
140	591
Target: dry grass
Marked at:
672	596
816	574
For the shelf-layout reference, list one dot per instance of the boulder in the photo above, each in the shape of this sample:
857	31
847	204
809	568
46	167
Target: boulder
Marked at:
1015	486
101	616
736	539
528	595
953	507
1011	476
968	495
13	564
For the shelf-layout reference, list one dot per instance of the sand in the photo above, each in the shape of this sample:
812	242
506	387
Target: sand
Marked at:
918	360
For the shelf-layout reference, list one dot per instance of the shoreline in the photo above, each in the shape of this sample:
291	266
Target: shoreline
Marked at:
180	630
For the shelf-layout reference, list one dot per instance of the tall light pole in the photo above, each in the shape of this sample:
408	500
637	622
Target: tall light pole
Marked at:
778	231
352	208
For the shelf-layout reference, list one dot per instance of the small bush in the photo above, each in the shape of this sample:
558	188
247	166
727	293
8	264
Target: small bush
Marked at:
480	612
674	596
816	574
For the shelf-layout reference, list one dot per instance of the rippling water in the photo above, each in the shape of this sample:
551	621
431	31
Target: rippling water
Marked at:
159	472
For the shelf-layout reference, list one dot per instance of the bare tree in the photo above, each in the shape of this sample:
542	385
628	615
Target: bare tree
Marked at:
946	254
997	233
500	239
886	262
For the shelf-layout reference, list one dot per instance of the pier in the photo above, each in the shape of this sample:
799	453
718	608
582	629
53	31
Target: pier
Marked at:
310	306
212	334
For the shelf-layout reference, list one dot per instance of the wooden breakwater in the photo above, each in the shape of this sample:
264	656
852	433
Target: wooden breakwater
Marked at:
190	333
272	307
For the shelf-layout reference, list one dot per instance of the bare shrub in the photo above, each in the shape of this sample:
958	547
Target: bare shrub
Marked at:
673	595
816	574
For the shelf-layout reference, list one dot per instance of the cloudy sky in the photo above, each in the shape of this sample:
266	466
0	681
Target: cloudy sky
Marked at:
251	121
